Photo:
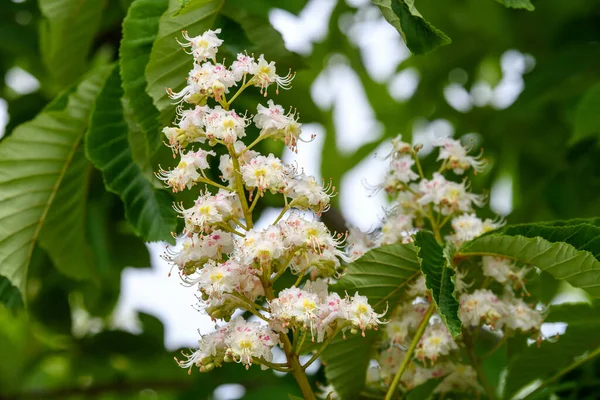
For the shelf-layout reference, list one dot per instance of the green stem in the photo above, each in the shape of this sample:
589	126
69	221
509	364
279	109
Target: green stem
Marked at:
240	90
321	349
239	187
296	368
475	361
254	202
408	356
276	367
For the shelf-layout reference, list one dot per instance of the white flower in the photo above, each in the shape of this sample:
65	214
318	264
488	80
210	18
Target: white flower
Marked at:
400	172
435	342
456	156
467	227
265	173
203	46
265	74
224	125
263	247
210	352
396	228
400	147
276	124
217	279
358	242
307	193
418	288
247	340
186	173
360	313
521	316
242	66
198	249
205	80
463	378
481	307
297	307
209	210
405	323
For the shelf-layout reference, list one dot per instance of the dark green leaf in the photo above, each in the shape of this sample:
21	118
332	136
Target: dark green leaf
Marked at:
587	117
147	208
140	28
526	4
439	278
41	173
567	252
9	295
66	36
418	34
551	357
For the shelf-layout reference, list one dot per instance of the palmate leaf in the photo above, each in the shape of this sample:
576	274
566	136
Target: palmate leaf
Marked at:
381	274
43	188
553	357
140	28
169	64
439	278
66	36
567	252
147	209
419	35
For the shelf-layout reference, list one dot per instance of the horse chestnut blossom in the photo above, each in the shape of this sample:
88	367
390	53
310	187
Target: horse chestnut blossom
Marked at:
233	264
416	345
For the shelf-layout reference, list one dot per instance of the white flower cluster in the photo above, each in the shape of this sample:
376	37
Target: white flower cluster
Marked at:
313	309
483	307
442	203
232	264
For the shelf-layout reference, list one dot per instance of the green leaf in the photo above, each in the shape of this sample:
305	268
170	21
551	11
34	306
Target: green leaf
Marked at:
526	4
9	295
66	36
148	209
140	28
41	173
418	34
567	252
346	363
169	64
439	278
587	117
551	357
253	17
381	274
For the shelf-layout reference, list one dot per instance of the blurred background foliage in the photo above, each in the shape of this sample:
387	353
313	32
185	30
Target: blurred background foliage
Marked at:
542	142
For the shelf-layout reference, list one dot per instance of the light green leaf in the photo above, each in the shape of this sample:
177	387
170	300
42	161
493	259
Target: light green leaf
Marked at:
148	209
439	278
587	117
418	34
253	17
526	4
567	252
346	363
169	64
140	28
66	36
381	274
552	357
42	180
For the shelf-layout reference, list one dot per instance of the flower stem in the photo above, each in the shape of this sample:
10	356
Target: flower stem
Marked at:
408	356
296	368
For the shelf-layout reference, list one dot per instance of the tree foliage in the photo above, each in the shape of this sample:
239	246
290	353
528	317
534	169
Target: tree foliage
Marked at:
78	198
